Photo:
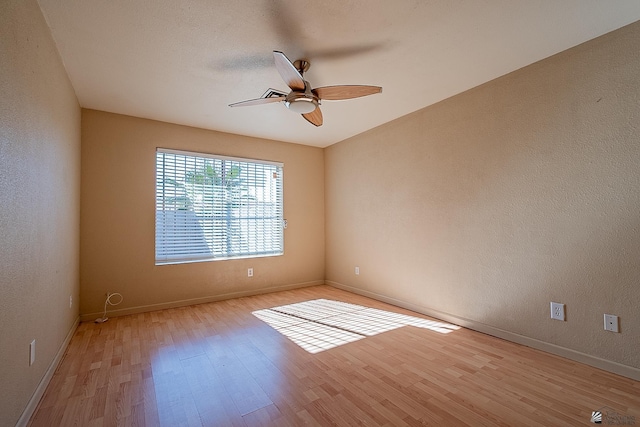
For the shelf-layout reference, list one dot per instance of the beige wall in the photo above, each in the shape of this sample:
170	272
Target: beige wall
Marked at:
491	204
39	203
118	214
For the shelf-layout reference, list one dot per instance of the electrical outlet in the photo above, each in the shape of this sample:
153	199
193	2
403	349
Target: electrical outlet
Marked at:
557	311
32	352
357	271
70	301
250	272
611	323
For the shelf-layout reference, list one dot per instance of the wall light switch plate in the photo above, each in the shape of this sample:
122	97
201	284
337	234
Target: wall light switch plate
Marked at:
611	323
357	271
557	311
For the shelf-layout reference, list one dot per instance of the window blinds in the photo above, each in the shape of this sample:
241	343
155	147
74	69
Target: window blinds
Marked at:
212	207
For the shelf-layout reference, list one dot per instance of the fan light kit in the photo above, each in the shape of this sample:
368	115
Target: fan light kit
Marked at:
303	99
301	104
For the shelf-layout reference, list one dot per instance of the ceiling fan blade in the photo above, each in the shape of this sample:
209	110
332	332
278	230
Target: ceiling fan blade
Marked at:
258	101
314	117
335	93
288	72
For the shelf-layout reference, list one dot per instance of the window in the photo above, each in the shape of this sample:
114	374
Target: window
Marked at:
212	207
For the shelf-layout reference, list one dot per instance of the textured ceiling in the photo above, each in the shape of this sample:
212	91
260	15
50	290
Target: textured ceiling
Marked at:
184	61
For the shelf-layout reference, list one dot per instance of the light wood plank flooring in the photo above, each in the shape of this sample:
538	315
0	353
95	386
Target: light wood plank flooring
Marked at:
217	364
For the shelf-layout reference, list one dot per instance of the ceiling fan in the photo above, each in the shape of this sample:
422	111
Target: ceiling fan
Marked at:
302	98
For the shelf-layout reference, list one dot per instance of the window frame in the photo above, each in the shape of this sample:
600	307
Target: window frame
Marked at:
278	241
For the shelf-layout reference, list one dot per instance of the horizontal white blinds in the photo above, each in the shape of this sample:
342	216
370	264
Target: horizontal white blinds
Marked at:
210	207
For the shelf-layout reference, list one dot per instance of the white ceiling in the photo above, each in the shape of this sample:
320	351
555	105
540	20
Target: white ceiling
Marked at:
184	61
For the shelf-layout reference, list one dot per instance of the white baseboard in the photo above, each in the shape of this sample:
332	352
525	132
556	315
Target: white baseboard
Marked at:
44	382
607	365
194	301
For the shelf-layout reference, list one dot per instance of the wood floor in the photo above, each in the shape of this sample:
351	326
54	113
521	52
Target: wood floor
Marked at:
217	364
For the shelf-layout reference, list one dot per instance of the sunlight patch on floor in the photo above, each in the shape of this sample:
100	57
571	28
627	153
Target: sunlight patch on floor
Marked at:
322	324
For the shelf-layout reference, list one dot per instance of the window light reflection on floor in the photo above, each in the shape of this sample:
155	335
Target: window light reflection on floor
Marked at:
322	324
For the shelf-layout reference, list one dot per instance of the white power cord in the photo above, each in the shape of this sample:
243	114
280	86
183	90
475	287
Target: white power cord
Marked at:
108	301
